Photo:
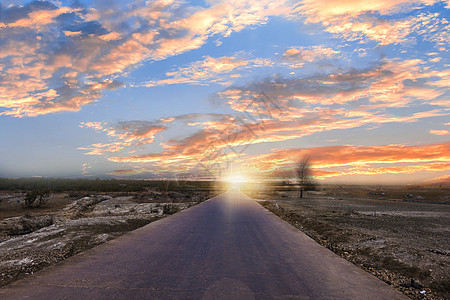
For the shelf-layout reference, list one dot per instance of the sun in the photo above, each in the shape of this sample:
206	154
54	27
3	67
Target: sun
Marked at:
236	180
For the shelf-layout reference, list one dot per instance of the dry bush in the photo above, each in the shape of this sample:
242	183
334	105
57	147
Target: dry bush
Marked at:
36	198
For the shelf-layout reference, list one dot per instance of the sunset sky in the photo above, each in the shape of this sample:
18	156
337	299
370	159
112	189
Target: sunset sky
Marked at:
190	89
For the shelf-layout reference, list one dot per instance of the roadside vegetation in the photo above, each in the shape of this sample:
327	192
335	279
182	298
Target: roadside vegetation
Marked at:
99	185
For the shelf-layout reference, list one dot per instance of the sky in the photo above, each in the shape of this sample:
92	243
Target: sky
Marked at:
203	89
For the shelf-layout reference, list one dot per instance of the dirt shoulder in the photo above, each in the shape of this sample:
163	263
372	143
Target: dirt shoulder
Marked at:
42	237
397	241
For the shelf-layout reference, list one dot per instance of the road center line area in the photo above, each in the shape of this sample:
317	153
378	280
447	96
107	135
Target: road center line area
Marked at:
228	247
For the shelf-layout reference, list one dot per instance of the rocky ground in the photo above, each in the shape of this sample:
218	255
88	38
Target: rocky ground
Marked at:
405	242
42	237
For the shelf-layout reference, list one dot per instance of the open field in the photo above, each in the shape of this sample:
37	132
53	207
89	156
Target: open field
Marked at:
397	233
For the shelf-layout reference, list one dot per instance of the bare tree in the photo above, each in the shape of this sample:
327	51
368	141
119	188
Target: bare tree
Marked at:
303	173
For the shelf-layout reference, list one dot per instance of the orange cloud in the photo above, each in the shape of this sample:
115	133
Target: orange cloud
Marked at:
206	71
383	32
39	18
350	160
85	169
20	103
368	171
274	116
440	179
309	54
120	58
392	83
111	36
236	132
356	160
440	132
291	109
125	134
350	19
438	167
98	47
101	149
221	139
98	126
354	155
203	150
328	10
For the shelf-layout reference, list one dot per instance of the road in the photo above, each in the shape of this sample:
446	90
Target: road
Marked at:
227	247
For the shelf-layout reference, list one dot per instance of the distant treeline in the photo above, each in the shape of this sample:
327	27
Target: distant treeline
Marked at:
100	185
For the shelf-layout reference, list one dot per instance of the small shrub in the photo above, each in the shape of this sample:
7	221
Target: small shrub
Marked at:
36	198
170	209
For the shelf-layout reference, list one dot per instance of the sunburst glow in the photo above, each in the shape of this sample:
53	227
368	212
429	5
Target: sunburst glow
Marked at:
237	180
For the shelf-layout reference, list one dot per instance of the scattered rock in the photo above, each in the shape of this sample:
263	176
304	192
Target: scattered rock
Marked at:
24	225
412	284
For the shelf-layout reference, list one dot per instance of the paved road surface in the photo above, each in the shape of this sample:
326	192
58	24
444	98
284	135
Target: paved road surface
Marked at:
227	247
